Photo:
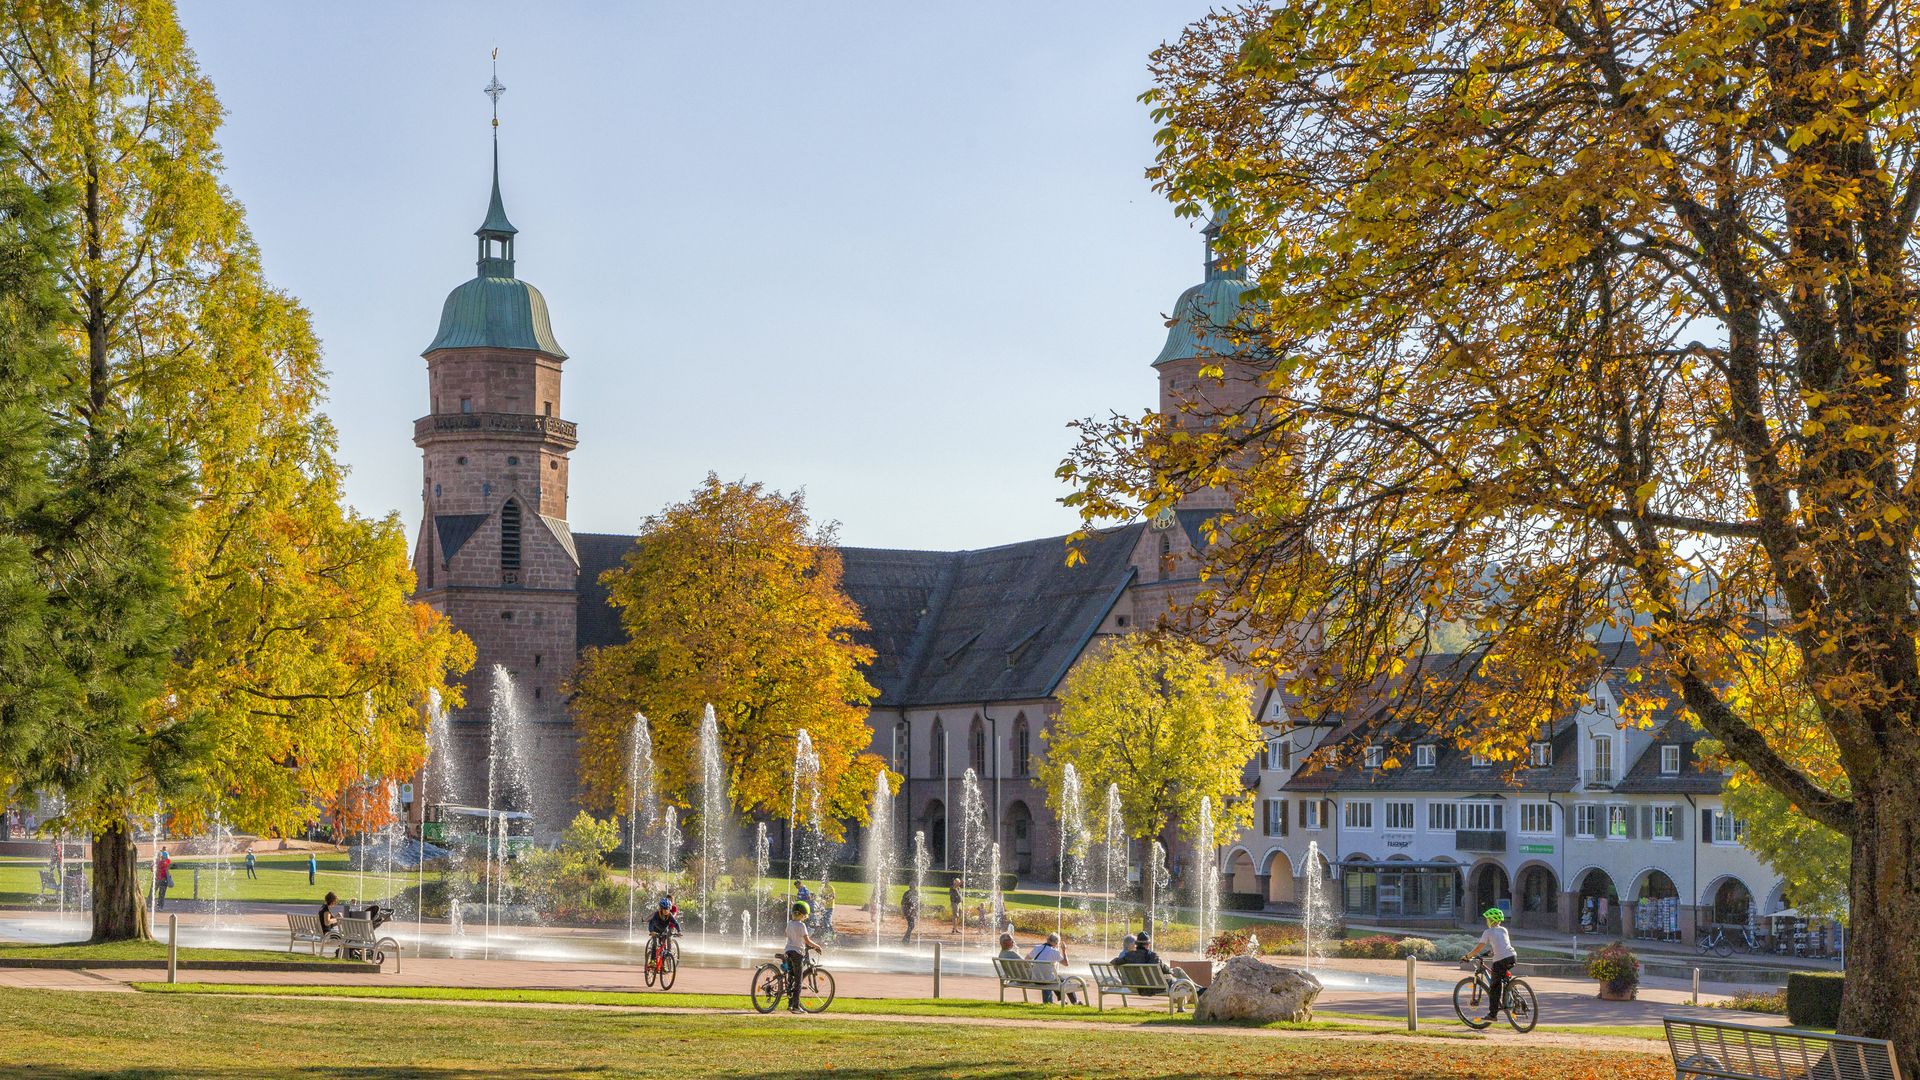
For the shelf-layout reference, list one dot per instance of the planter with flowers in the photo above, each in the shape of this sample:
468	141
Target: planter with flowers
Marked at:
1617	971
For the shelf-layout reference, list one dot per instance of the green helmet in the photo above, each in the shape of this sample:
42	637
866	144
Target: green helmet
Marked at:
800	907
1495	914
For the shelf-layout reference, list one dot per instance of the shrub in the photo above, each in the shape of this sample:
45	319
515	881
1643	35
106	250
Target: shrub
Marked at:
1615	966
1237	901
1813	998
1230	943
1454	946
1762	1001
1371	947
1417	947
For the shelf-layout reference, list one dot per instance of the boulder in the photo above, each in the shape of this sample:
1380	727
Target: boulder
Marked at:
1247	988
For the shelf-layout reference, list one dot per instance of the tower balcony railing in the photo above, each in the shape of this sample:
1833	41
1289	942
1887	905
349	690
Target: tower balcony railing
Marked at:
493	423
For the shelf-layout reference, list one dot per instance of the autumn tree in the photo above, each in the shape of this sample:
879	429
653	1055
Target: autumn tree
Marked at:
1578	317
1166	723
296	666
731	598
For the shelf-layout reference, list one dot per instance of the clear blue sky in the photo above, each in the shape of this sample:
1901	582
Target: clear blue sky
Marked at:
881	251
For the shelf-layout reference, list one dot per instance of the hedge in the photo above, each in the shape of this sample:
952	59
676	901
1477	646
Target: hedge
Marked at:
1813	998
1242	901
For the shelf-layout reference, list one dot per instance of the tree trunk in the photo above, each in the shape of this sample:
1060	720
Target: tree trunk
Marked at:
1883	953
119	909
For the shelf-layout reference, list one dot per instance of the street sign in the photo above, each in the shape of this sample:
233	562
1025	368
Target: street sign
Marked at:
406	793
1536	849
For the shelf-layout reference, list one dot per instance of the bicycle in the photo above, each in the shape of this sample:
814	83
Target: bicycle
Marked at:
1719	943
663	961
1520	1005
770	985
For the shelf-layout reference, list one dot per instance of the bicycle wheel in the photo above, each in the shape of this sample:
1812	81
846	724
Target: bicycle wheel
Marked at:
647	968
668	968
1722	947
816	990
1466	1003
1523	1009
769	986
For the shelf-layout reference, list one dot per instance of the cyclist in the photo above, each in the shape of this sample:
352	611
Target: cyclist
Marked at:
1499	949
660	927
798	942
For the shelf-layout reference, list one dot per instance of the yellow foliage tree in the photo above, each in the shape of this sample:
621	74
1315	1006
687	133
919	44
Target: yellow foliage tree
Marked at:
1165	722
733	599
1576	317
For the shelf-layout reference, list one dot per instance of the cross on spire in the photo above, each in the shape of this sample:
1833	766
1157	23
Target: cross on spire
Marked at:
493	90
496	232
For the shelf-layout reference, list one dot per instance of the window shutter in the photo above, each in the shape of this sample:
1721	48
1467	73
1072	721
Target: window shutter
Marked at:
1679	824
1280	809
1326	813
1566	821
1631	833
1646	821
1706	825
1303	813
1499	817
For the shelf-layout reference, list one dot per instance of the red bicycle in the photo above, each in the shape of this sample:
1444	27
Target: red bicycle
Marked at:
663	961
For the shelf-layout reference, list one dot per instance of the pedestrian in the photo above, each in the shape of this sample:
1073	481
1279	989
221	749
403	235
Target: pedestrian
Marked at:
1051	951
803	894
313	867
162	877
954	900
826	907
251	874
910	911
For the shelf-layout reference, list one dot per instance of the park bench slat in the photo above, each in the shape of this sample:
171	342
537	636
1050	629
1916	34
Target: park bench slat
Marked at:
1716	1050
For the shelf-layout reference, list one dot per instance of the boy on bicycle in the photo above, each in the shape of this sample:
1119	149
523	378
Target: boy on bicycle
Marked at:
660	926
798	942
1500	950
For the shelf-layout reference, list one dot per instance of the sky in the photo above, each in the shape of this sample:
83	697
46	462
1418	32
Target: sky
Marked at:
880	252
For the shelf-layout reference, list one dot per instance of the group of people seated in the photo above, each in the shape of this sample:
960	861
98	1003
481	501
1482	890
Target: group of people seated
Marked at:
1135	949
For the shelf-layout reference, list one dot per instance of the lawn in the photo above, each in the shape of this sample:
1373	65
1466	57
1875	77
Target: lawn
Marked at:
282	880
65	1036
108	952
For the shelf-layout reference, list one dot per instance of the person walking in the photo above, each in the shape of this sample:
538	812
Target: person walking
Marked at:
954	900
826	907
162	878
910	911
252	875
313	867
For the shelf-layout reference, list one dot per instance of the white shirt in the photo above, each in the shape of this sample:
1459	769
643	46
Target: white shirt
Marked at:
796	936
1499	945
1044	951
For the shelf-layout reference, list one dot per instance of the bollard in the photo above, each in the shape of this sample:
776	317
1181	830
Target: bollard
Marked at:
173	947
936	969
1413	1005
1696	987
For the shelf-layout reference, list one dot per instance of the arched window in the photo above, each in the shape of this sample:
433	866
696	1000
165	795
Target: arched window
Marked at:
937	749
1022	746
977	741
1166	555
510	542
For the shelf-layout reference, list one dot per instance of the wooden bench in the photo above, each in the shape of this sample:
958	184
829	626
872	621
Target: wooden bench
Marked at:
307	928
1714	1050
1026	975
359	940
1141	980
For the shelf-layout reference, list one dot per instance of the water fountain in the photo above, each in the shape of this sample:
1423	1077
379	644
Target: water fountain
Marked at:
1155	879
973	840
996	900
1206	882
1316	907
643	805
1072	865
506	775
762	861
806	781
922	862
1113	861
670	841
159	840
881	854
440	765
713	824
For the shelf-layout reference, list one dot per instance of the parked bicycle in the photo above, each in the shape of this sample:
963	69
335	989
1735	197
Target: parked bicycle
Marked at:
770	985
1718	942
1518	1001
663	960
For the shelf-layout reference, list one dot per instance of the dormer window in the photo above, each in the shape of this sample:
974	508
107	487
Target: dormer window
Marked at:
1375	755
1480	760
1542	755
1423	756
1669	759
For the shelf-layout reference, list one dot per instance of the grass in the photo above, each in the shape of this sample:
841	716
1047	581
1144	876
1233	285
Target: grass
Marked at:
282	880
66	1035
110	951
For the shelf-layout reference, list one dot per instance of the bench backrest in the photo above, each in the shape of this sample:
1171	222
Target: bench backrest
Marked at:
303	924
1025	971
356	929
1714	1050
1145	976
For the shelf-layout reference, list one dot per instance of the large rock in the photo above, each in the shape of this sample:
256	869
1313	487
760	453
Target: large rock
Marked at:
1247	988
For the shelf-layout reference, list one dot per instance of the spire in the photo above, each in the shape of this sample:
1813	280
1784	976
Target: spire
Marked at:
496	233
1220	263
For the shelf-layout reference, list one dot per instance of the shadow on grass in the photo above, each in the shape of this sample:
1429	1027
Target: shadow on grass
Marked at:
976	1069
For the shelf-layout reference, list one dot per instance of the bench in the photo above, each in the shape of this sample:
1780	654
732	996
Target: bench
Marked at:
49	884
1141	980
1714	1050
359	940
1025	975
307	928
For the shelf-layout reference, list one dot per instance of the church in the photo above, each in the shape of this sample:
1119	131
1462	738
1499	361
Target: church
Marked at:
970	646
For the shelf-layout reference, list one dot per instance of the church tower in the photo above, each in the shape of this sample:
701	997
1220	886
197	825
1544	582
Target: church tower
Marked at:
1209	328
494	553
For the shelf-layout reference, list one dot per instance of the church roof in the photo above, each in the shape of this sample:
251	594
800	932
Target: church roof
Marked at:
498	313
1210	319
946	627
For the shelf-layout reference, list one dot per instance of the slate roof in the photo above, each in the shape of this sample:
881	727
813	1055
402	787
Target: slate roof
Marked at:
1453	768
454	531
498	313
1644	777
946	627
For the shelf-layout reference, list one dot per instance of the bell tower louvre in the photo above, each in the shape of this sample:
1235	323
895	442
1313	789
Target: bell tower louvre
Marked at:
494	553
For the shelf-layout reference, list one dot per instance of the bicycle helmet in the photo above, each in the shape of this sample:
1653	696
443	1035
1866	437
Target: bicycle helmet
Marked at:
1494	914
666	905
800	907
